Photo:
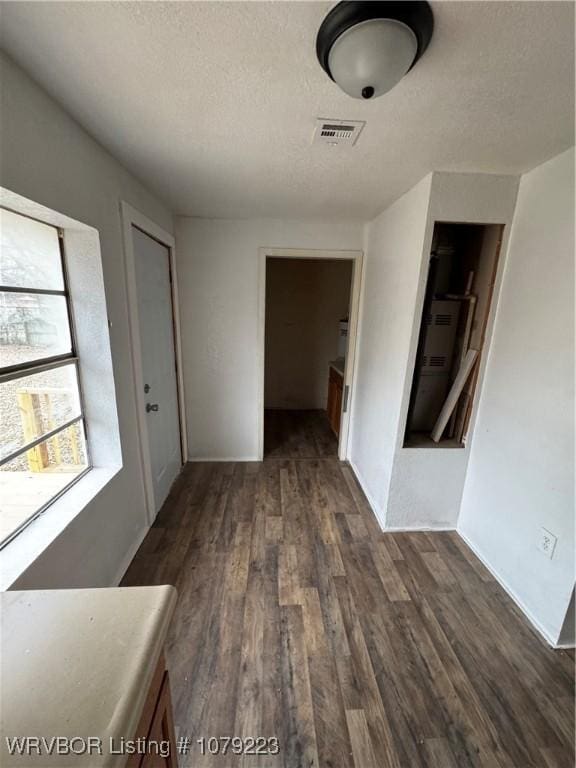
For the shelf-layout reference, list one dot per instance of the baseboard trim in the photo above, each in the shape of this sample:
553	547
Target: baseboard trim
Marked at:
510	592
362	483
421	528
129	556
377	513
206	459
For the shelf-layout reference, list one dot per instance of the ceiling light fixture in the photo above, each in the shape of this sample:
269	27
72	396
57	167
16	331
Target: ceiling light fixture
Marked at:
368	47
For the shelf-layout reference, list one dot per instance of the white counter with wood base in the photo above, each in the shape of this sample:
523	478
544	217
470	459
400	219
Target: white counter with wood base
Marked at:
82	671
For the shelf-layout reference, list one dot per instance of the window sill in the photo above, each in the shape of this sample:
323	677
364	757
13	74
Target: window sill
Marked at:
28	546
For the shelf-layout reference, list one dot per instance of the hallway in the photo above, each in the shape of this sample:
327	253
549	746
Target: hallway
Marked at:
297	618
290	434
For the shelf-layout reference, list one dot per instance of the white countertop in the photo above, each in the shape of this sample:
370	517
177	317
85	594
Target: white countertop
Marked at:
338	364
78	663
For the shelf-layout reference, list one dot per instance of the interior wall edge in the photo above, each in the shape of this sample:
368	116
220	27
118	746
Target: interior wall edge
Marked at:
383	337
542	631
378	513
219	282
211	459
80	179
520	477
358	352
129	556
467	198
567	637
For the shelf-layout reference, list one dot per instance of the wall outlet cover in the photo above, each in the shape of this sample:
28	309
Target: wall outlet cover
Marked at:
547	543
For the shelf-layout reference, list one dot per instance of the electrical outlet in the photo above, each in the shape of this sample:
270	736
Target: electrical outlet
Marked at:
547	542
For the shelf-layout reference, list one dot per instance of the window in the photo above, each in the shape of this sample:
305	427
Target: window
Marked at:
42	436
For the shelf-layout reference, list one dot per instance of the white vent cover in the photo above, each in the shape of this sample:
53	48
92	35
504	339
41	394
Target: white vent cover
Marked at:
337	131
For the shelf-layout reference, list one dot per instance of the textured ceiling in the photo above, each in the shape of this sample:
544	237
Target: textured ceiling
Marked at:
213	104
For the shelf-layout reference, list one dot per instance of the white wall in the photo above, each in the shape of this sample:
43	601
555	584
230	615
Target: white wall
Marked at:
218	284
305	299
393	252
48	158
427	483
412	487
521	471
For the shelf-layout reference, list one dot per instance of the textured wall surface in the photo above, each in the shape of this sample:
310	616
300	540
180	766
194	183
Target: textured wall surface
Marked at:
521	470
49	159
394	244
409	487
219	289
426	488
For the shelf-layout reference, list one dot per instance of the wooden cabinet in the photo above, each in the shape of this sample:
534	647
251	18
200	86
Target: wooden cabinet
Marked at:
157	723
335	391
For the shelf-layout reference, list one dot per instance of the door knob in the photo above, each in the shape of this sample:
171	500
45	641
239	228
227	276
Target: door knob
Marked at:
151	407
147	388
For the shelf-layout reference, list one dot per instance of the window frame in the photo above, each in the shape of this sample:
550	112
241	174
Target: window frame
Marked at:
41	365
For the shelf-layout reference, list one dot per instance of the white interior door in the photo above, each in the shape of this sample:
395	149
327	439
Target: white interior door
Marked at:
155	318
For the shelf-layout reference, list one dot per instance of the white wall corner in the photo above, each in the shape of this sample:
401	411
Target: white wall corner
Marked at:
520	475
81	181
129	556
376	509
427	485
551	639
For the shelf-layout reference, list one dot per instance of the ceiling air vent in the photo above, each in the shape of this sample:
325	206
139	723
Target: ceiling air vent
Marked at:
337	131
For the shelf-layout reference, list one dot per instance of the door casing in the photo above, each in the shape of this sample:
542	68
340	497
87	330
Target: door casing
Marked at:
132	218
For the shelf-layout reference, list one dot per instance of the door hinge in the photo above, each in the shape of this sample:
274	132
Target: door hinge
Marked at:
346	393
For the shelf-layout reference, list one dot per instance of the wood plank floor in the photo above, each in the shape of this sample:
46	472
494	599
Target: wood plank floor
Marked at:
298	435
298	618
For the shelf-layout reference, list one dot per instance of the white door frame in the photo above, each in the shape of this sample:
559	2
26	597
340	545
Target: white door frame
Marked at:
133	218
357	258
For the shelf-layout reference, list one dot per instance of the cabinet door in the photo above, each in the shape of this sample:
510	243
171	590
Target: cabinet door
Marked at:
331	402
162	731
337	409
334	407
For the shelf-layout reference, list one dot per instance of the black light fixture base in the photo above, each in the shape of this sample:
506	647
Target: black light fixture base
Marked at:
415	14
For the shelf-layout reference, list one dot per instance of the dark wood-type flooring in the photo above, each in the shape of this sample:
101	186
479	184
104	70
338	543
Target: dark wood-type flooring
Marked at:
298	435
298	618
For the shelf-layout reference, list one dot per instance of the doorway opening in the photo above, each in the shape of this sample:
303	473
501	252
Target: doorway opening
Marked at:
309	326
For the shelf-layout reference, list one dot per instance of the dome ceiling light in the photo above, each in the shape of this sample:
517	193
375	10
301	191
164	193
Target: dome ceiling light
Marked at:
368	47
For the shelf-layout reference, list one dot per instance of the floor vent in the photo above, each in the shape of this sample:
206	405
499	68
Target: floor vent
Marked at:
337	131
